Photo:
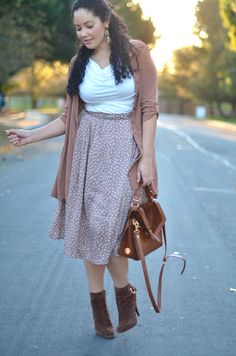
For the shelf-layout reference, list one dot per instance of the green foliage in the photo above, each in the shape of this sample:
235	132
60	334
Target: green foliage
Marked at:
59	22
23	38
220	69
139	28
207	74
187	78
166	84
228	13
42	29
40	80
209	27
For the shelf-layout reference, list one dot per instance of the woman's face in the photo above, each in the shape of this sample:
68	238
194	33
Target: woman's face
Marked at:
89	28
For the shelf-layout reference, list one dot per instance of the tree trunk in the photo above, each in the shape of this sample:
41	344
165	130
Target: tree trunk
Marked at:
33	86
34	101
211	109
181	107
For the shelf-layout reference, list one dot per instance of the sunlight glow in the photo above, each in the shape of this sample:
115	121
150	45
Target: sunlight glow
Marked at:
174	20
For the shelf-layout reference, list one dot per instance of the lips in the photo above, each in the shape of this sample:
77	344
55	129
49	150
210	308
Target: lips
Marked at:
87	42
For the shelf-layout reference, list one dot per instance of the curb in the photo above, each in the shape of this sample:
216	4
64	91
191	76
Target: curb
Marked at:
9	116
221	125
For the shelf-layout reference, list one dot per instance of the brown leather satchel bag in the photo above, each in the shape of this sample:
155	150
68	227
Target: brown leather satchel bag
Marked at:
143	233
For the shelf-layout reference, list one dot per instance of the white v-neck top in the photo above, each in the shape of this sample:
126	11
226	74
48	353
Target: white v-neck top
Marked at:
100	93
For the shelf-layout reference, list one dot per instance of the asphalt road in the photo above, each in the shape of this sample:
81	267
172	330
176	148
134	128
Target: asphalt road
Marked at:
45	308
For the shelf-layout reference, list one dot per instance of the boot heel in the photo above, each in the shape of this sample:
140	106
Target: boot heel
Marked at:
127	307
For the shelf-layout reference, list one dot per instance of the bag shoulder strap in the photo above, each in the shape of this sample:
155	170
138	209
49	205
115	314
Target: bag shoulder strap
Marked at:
156	304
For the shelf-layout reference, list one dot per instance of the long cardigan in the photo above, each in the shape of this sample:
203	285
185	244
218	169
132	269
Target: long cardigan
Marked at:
146	106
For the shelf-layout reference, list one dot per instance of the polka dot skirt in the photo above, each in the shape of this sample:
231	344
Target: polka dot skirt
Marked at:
93	217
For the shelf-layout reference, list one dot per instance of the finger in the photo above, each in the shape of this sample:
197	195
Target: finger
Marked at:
12	136
138	176
147	181
14	139
11	131
15	142
11	140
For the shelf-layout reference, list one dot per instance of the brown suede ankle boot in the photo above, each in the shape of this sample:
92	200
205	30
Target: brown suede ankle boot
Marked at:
102	321
127	307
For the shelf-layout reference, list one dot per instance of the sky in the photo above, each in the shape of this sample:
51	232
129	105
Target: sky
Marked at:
174	20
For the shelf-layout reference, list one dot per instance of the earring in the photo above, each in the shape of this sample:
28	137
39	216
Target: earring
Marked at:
81	45
107	36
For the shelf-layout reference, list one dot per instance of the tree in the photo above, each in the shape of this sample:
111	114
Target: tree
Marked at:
62	39
42	29
24	39
138	27
220	69
228	13
208	73
41	79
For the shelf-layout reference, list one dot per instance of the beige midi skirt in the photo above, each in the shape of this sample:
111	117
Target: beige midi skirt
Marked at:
92	219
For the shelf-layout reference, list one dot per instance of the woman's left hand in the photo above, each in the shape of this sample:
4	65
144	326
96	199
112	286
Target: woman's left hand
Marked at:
144	170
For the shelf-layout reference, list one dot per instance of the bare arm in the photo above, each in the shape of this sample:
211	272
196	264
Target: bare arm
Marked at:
149	133
53	129
19	137
146	162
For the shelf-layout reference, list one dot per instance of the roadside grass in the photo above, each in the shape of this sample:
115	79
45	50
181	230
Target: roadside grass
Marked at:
49	111
5	146
223	119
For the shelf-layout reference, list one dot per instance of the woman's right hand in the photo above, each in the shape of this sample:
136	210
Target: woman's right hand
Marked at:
19	137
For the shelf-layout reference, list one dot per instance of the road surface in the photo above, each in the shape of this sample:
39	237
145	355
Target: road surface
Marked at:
45	308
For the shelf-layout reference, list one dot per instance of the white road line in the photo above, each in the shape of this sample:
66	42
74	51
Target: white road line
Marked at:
214	190
197	146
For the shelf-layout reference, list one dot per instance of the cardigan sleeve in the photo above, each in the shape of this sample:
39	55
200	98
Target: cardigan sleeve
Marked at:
63	115
148	86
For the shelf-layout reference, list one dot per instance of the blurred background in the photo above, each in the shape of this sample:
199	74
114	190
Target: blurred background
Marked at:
193	44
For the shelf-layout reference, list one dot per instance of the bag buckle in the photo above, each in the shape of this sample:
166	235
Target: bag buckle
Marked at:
136	227
135	202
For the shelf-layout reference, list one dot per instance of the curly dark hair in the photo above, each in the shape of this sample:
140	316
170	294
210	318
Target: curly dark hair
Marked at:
120	45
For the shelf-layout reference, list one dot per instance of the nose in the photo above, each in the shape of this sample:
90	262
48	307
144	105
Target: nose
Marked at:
83	34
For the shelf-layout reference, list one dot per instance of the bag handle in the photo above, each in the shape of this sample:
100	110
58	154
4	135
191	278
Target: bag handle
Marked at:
150	192
156	304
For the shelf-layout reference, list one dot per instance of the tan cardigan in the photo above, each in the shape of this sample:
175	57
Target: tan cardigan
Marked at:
146	106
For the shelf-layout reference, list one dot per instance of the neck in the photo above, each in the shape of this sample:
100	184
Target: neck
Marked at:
102	49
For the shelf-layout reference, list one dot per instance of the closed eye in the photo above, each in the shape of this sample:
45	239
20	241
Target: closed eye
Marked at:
79	29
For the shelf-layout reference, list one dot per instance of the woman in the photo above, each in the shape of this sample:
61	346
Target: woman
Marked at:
109	122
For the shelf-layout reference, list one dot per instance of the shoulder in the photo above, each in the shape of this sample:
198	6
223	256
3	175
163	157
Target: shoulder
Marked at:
143	56
139	45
